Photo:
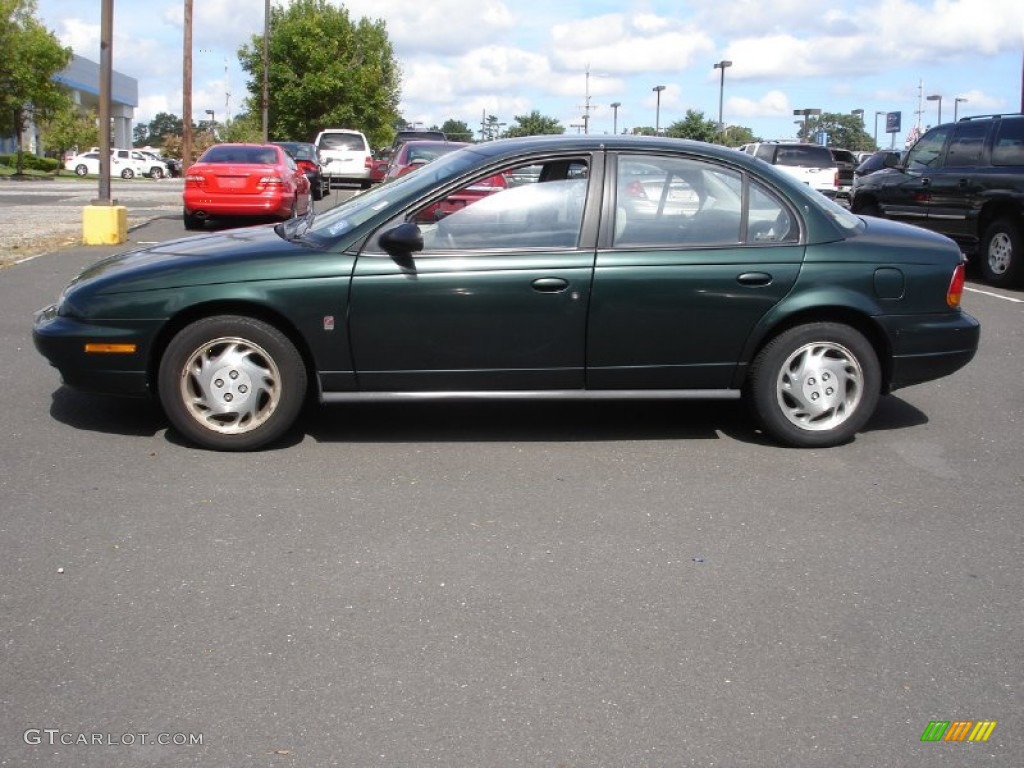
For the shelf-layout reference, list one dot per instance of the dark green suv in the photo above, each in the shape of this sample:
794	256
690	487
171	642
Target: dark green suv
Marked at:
964	180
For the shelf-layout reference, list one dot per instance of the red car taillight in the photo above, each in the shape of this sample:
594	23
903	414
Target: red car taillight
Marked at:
270	181
368	162
956	287
306	166
195	180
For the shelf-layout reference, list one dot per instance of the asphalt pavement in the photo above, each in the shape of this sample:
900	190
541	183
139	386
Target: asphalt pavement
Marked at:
521	584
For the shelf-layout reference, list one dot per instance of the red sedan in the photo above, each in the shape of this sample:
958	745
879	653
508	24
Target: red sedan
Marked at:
244	180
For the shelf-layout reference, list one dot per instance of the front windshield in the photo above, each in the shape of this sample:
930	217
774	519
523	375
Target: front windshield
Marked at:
391	195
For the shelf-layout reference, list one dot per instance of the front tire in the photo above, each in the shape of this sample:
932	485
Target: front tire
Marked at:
156	173
815	385
231	383
1002	254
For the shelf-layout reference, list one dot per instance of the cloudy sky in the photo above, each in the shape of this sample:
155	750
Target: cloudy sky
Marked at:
462	59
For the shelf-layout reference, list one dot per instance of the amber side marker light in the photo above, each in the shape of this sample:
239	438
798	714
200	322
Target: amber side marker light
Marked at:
956	287
110	349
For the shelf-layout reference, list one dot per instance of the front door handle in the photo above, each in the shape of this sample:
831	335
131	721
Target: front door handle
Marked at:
550	284
754	278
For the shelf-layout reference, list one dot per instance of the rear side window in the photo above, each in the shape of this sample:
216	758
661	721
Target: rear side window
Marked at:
1008	147
967	144
342	141
805	156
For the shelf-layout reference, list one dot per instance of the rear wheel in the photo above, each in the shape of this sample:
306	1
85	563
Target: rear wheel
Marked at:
1002	254
231	383
192	222
82	170
815	385
127	173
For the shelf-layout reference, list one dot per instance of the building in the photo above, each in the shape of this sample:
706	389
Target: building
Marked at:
82	79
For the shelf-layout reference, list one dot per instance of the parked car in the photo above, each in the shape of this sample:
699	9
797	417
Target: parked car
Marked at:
876	161
413	135
416	153
345	156
812	164
132	162
123	162
244	180
964	180
846	164
765	290
306	157
379	165
173	164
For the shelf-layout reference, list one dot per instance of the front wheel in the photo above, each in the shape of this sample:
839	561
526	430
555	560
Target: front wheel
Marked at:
815	386
231	383
1002	254
156	173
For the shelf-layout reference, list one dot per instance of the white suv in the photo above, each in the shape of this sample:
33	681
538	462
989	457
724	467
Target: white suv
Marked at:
345	156
812	164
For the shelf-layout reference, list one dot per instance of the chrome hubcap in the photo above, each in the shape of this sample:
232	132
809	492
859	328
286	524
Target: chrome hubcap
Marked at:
1000	250
819	386
230	385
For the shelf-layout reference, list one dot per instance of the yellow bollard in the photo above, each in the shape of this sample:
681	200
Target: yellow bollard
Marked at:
104	224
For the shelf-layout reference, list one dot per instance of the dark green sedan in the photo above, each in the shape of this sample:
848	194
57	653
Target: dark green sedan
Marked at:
627	267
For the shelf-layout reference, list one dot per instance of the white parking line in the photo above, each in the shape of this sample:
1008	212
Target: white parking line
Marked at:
995	295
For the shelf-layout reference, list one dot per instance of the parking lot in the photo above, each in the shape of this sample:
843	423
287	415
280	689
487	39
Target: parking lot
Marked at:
586	584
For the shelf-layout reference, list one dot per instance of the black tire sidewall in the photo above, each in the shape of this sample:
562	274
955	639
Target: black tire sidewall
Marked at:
764	373
272	341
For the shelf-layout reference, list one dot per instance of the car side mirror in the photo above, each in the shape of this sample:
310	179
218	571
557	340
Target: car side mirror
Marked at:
403	240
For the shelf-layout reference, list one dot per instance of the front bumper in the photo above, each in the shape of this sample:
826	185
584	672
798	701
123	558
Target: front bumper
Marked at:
62	340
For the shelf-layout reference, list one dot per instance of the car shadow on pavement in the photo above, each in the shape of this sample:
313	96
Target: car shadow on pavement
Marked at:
108	415
535	421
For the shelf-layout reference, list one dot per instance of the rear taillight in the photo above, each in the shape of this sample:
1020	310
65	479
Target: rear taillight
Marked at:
265	180
835	181
368	162
956	287
195	179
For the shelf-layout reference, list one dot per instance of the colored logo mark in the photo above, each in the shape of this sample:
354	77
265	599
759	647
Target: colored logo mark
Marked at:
959	730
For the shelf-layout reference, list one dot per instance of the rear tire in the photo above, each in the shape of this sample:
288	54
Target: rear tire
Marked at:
231	383
192	222
1002	254
815	385
127	173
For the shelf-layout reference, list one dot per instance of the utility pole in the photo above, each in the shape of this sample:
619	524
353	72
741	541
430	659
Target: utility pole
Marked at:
186	96
106	78
266	71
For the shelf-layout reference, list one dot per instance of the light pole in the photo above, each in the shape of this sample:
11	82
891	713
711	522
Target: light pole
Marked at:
879	112
615	116
956	103
213	123
936	97
806	113
657	110
859	113
722	65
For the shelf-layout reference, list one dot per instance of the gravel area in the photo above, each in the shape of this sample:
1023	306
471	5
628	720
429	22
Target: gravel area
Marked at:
44	215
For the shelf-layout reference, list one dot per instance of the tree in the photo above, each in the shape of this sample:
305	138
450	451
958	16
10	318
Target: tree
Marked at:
326	71
846	131
162	125
32	56
736	136
693	126
457	130
69	128
534	124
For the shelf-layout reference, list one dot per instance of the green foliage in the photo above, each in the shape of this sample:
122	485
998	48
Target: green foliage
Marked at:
31	163
694	126
845	131
534	124
163	124
31	57
457	130
69	128
736	136
246	128
326	71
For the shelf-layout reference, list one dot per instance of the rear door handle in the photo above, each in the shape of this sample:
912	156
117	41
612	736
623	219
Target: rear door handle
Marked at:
550	284
754	278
